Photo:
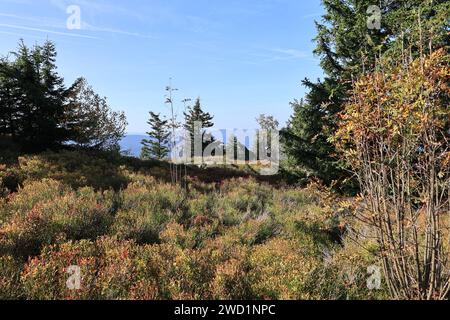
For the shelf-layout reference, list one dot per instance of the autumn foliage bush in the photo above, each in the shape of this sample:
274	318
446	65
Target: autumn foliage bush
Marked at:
76	169
237	239
47	211
395	134
10	285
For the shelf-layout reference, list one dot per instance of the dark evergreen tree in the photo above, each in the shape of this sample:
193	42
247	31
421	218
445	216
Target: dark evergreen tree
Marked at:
51	112
157	146
32	97
196	114
28	95
9	113
41	97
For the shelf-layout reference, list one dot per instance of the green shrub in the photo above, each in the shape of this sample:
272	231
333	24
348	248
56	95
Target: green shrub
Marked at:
45	277
279	270
11	179
83	214
347	268
175	234
146	210
29	196
231	279
45	211
10	286
117	270
76	169
202	205
135	236
308	216
243	199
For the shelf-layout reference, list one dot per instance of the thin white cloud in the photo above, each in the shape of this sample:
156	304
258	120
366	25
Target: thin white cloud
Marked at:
89	27
281	54
42	21
54	24
291	54
97	6
17	34
76	35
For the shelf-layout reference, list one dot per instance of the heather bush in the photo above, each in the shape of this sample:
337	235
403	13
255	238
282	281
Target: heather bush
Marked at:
253	232
107	270
10	286
46	211
173	273
76	169
11	178
45	277
231	279
202	206
204	232
116	272
280	268
190	275
175	234
4	192
202	217
243	199
135	236
145	289
25	234
145	210
30	195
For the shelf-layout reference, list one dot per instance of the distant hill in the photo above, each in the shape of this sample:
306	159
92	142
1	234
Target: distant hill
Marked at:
132	143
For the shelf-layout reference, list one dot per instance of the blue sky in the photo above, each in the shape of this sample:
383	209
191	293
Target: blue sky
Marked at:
242	57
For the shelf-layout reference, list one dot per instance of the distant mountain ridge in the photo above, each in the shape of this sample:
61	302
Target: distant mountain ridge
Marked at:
132	143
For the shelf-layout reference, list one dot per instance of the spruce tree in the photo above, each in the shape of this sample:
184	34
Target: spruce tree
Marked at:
196	114
52	110
9	113
29	95
32	95
157	146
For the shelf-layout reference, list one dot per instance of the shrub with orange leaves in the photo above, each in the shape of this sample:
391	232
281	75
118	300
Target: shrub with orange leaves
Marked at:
45	277
45	211
10	286
279	270
145	210
147	239
395	134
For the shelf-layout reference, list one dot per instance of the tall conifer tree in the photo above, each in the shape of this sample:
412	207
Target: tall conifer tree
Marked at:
196	114
157	146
